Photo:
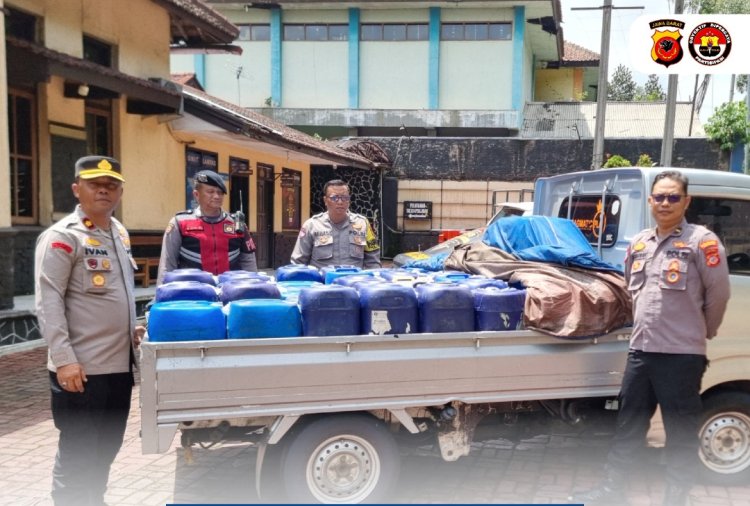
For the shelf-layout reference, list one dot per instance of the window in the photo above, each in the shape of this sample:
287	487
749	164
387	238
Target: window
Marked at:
291	191
586	213
196	161
254	32
97	51
99	127
417	32
394	31
728	219
338	32
316	31
21	128
21	25
475	31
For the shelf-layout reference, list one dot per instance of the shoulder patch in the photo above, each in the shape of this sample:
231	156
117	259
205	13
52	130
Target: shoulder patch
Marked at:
67	248
708	244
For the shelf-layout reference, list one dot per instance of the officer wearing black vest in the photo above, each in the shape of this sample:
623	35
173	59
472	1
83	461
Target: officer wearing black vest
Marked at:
207	237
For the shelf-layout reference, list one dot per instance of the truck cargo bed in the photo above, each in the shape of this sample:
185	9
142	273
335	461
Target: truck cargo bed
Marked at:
246	379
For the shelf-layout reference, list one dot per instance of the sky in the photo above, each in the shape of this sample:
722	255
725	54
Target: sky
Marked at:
584	28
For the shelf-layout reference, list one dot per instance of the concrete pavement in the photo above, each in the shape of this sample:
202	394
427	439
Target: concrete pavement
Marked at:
538	469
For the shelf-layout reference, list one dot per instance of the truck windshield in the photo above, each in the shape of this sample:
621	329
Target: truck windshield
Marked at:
586	211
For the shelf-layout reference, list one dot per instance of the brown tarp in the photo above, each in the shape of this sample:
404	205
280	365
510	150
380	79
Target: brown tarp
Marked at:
562	301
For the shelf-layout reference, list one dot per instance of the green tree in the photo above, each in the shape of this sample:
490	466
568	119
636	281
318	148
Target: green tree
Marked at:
651	91
622	87
728	125
718	6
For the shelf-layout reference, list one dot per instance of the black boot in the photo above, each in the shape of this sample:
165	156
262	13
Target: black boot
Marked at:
607	493
676	495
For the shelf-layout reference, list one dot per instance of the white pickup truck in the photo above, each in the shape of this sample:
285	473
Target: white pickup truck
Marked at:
327	412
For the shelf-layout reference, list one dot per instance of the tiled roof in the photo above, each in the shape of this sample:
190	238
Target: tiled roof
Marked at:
79	64
208	24
575	54
274	132
571	120
187	79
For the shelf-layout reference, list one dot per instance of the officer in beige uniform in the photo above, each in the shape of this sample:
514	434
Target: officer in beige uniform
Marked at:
337	236
678	276
86	312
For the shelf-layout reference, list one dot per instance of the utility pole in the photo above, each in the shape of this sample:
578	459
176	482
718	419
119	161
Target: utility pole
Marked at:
671	106
601	91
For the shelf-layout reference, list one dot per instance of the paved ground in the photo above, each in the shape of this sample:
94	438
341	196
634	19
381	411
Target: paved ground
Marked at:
534	469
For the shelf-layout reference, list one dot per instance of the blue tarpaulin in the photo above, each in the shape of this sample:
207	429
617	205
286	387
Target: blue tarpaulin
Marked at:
544	239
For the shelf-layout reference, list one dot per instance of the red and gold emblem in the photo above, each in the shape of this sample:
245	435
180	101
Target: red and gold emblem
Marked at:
666	49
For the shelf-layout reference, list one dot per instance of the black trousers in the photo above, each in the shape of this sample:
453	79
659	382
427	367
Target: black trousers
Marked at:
92	426
673	382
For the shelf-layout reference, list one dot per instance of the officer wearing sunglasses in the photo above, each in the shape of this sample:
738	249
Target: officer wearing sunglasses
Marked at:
337	236
678	277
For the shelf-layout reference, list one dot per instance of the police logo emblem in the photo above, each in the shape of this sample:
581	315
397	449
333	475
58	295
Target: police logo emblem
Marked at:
709	44
93	263
228	228
98	280
673	277
639	247
106	264
666	49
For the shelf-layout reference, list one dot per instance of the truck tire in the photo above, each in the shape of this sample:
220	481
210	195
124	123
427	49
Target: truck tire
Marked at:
341	459
725	438
271	486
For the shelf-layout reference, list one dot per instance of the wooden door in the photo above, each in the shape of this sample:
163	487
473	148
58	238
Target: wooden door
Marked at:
264	230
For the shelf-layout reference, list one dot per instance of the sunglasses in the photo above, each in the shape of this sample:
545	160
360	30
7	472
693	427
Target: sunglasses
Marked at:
671	198
339	198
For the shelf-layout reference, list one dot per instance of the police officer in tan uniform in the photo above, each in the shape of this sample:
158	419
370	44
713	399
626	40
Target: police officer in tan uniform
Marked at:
337	236
86	312
678	276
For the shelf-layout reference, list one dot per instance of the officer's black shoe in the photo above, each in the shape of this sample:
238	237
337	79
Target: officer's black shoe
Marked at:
606	494
676	495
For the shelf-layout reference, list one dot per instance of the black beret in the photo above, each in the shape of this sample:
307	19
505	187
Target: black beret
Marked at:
90	167
210	178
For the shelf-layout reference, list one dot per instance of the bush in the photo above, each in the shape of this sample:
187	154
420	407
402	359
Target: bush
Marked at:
644	161
616	161
729	126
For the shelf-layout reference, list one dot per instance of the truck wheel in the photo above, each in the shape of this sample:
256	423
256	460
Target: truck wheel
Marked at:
341	459
725	438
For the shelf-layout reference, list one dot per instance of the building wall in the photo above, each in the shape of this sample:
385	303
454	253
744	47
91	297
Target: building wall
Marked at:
458	204
175	201
391	75
555	85
152	155
476	74
4	162
459	175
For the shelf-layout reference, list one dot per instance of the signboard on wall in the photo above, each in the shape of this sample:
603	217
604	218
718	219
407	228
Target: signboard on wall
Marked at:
417	210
